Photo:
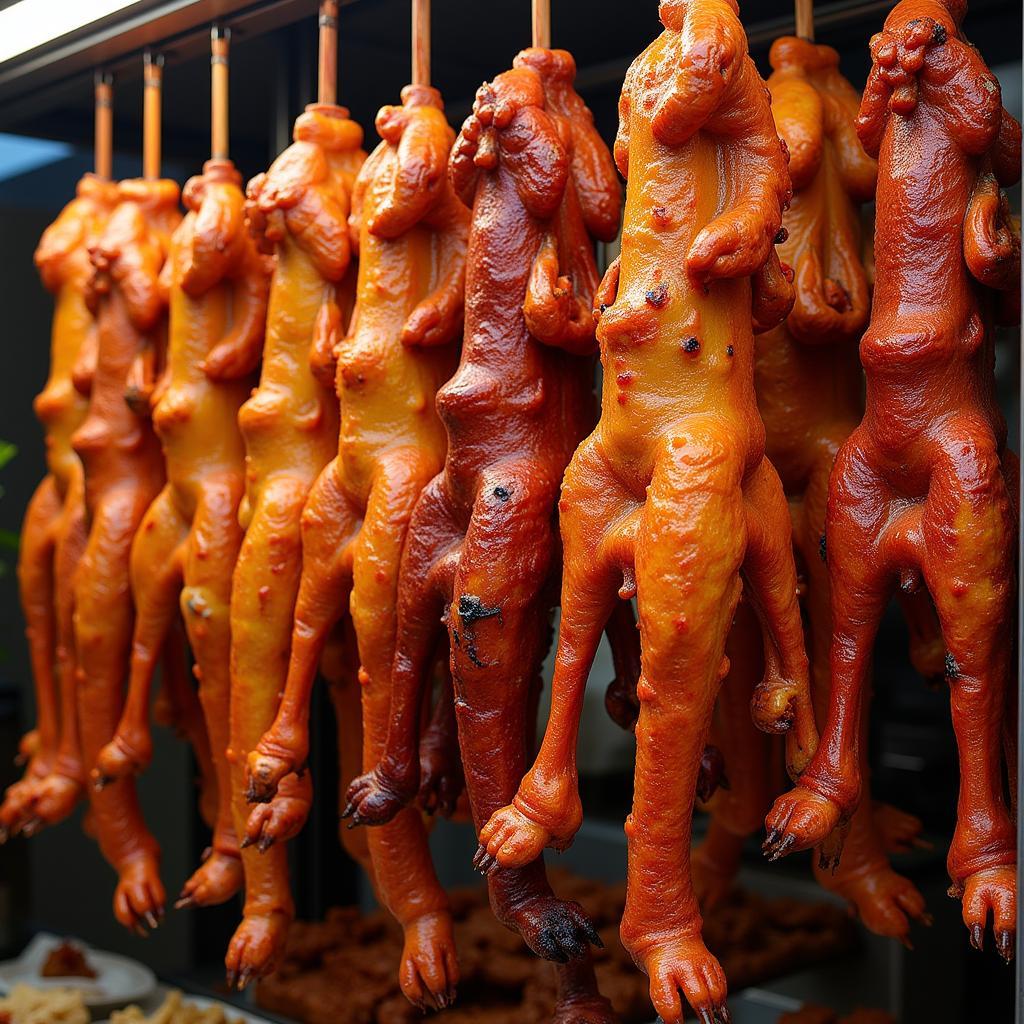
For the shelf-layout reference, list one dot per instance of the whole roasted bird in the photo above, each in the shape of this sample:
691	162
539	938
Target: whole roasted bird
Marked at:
124	471
410	229
671	497
924	492
809	388
298	211
53	534
482	551
184	554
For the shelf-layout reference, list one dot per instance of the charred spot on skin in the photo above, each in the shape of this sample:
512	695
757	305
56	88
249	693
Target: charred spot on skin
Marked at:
472	609
658	296
730	351
952	668
939	34
691	346
502	493
781	236
822	548
136	401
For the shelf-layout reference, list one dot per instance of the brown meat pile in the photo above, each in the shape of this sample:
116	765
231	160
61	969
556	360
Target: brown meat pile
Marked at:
342	970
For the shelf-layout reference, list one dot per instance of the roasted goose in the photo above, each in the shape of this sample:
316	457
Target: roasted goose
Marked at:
809	390
411	230
124	471
299	211
184	554
482	549
924	491
672	497
53	535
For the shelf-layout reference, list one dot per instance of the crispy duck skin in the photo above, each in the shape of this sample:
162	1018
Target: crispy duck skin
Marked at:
672	494
923	493
124	471
410	229
184	554
53	534
482	547
809	390
298	211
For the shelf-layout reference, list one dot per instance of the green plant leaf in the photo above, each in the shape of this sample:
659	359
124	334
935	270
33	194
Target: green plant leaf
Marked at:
7	452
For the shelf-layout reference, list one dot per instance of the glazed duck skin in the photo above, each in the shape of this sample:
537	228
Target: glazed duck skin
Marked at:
53	534
923	491
809	390
298	210
672	493
187	545
482	548
411	233
124	471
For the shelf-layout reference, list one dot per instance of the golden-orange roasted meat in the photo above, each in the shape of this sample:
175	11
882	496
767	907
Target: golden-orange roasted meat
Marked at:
124	471
184	553
53	534
809	388
297	210
410	229
671	497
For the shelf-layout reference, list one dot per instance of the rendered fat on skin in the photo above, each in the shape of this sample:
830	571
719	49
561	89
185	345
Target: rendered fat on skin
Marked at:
482	551
401	346
185	551
53	533
124	471
298	211
672	495
923	495
809	388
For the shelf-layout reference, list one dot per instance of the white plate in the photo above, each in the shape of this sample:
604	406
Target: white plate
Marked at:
118	980
231	1012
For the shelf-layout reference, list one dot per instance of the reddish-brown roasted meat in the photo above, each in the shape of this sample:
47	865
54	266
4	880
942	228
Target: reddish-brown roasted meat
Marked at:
482	546
924	491
809	390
